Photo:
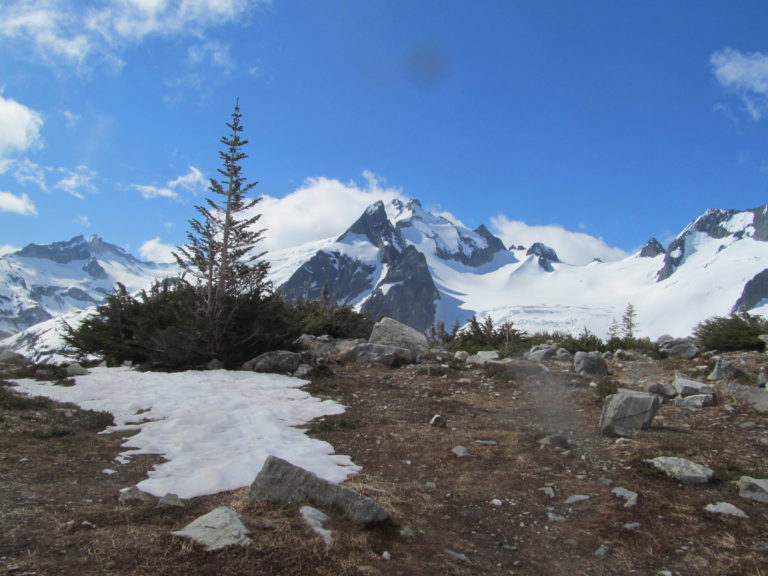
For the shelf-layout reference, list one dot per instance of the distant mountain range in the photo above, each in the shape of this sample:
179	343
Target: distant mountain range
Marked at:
402	261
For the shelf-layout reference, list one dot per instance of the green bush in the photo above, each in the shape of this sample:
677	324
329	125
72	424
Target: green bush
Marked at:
477	336
585	341
734	332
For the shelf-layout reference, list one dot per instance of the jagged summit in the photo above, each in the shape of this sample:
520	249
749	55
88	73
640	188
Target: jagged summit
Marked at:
652	249
77	248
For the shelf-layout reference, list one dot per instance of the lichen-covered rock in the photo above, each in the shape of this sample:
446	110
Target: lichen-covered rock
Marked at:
389	332
218	529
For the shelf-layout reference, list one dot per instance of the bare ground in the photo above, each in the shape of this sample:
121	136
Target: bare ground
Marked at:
500	510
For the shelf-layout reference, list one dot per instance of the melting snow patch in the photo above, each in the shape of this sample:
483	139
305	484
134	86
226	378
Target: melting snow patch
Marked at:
215	428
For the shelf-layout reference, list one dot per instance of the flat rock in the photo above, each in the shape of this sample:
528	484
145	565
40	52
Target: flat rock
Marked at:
277	361
218	529
695	401
687	387
133	494
315	519
282	481
725	508
628	495
682	470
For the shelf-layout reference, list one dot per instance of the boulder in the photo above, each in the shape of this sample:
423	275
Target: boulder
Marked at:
389	332
482	357
753	488
218	529
282	481
461	355
665	389
215	364
670	347
627	411
725	508
563	355
756	397
590	365
134	494
541	353
277	361
75	369
687	387
723	370
379	354
682	470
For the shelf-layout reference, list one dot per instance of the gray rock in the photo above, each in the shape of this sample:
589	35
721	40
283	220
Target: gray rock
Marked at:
601	552
218	529
482	357
669	347
170	500
628	495
277	361
302	371
665	389
461	451
723	370
542	353
576	498
695	401
438	420
627	411
215	364
682	470
762	379
754	488
725	508
461	355
315	519
632	526
687	387
75	369
13	358
133	494
389	332
563	355
590	365
755	397
282	481
379	354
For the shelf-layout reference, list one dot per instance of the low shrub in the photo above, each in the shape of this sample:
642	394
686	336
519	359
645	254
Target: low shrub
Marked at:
734	332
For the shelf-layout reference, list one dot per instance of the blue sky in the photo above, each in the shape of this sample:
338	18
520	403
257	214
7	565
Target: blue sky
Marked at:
588	125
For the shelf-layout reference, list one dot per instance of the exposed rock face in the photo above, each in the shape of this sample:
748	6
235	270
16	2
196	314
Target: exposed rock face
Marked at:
218	529
669	347
652	249
627	411
590	365
279	361
754	294
282	481
723	370
390	332
547	256
682	470
407	293
367	353
345	277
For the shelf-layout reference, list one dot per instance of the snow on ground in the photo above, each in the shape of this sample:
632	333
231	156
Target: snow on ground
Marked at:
214	428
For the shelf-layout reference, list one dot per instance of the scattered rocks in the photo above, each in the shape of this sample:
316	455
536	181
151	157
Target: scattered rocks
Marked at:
218	529
665	389
282	481
725	508
669	347
379	354
542	353
753	488
627	411
590	365
682	470
628	495
482	357
723	370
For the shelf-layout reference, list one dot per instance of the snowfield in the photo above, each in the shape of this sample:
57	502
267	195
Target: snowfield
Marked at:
214	428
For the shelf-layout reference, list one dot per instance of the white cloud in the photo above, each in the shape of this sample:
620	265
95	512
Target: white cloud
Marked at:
321	208
746	74
27	172
155	251
211	52
193	181
17	204
101	29
83	221
77	183
571	247
71	118
19	127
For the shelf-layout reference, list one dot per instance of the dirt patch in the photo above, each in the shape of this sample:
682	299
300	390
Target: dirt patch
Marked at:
533	442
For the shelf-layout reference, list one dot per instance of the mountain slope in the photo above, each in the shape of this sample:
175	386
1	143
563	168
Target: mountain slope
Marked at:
40	282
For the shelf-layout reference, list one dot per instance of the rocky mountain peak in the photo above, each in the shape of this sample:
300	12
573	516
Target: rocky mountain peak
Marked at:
546	255
652	249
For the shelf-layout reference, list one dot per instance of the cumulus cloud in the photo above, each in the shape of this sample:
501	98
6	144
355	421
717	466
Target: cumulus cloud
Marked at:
571	247
19	127
746	74
155	251
77	182
193	181
17	204
321	208
102	28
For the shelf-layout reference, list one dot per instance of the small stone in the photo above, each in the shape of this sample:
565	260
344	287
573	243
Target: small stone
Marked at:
461	451
695	401
438	421
552	517
753	488
407	532
386	555
549	491
601	552
726	508
496	502
133	494
457	555
684	471
576	498
170	500
628	495
632	526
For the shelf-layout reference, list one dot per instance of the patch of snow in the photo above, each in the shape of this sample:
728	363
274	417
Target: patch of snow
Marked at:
214	428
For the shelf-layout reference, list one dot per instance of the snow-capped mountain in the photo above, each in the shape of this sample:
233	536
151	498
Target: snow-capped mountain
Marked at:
402	261
40	282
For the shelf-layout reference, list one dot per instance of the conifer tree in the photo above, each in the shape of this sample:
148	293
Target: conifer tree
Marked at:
221	253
